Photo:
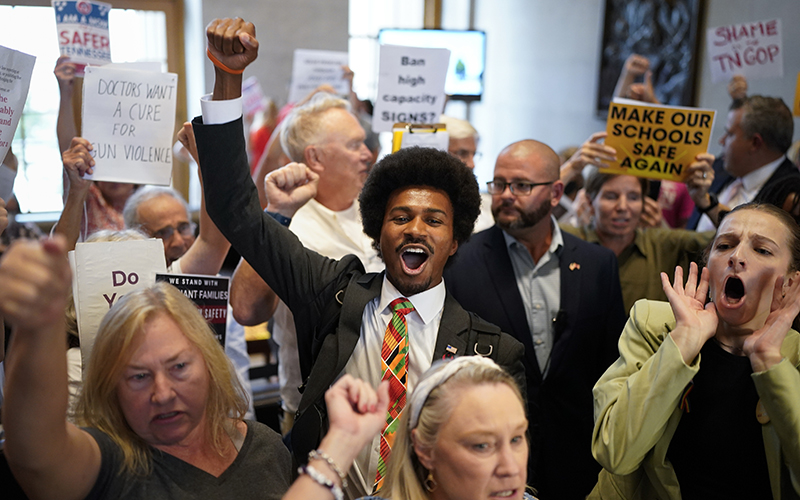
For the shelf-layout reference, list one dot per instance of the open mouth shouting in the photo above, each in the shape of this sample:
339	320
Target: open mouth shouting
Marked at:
414	255
733	291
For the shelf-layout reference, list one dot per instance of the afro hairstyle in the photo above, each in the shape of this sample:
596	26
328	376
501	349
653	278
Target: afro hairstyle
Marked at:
426	167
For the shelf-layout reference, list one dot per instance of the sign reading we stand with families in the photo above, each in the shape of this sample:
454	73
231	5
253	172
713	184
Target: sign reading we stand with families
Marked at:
410	86
209	294
83	31
655	141
753	49
129	117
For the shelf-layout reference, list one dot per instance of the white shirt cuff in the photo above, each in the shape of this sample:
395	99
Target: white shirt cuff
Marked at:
218	112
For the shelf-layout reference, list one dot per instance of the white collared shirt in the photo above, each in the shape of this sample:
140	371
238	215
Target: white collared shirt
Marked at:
751	185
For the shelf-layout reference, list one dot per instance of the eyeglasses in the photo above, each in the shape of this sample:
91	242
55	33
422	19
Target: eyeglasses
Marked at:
466	154
185	229
518	188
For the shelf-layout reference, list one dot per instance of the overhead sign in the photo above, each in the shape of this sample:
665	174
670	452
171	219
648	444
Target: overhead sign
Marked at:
83	31
410	86
657	142
104	272
129	117
754	50
313	68
16	69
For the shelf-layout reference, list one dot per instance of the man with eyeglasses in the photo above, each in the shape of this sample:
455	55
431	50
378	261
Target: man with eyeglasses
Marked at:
556	294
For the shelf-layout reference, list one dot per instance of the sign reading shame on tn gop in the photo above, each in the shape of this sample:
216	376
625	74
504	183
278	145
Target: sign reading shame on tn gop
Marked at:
754	50
83	31
655	141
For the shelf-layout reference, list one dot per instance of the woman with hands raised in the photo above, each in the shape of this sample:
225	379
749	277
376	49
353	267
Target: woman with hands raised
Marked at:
703	401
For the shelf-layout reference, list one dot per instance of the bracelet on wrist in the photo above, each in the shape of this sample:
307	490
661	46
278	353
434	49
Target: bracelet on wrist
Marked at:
713	202
222	66
321	480
321	455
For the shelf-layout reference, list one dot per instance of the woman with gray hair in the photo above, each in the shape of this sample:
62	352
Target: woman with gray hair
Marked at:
461	436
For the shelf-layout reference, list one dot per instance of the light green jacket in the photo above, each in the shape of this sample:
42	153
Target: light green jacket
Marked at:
637	409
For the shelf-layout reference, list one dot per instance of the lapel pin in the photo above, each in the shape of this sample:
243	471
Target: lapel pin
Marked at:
574	266
450	352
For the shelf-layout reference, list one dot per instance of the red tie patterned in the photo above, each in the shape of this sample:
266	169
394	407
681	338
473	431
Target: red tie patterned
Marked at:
394	365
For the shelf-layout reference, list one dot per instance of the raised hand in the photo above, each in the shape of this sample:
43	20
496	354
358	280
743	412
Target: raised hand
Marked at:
186	137
763	346
232	42
651	213
591	152
78	162
695	323
289	188
700	177
65	72
36	278
644	91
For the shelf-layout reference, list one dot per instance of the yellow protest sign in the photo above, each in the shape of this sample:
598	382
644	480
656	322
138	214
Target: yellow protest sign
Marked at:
797	97
657	142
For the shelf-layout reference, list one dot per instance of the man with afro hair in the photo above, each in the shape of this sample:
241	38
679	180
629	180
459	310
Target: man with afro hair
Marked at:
417	205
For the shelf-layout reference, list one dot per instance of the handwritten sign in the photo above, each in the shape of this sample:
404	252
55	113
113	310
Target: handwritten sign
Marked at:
410	86
129	117
16	69
657	142
103	273
313	68
209	294
753	49
83	31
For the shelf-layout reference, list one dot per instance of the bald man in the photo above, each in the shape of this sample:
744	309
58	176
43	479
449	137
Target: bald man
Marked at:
560	297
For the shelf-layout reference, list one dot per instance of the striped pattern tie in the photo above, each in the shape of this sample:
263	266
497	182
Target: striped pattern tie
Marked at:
394	365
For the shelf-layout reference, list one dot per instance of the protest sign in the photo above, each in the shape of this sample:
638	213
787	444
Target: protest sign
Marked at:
754	50
654	141
16	69
313	68
209	294
83	32
129	117
253	98
410	86
103	273
797	97
406	135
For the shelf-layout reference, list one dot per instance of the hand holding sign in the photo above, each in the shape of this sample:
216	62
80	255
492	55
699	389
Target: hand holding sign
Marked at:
36	279
591	152
65	73
78	161
700	177
290	187
232	42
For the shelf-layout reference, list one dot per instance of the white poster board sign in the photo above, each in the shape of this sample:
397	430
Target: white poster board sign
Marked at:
83	31
410	86
129	117
754	50
313	68
15	78
103	273
437	140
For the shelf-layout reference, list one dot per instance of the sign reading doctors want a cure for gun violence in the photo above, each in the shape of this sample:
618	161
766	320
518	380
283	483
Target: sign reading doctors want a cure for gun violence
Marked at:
410	86
654	141
129	117
83	31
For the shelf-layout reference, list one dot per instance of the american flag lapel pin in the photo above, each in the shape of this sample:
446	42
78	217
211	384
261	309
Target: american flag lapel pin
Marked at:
450	352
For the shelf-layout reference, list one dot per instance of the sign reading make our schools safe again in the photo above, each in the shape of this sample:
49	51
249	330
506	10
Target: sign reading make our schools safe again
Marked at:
410	86
657	142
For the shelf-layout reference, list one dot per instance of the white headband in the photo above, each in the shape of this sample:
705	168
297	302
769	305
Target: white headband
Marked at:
438	374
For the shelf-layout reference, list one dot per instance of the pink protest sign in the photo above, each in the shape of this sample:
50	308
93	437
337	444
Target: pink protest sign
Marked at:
753	49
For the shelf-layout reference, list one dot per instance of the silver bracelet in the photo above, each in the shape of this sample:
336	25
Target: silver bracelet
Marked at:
321	480
321	455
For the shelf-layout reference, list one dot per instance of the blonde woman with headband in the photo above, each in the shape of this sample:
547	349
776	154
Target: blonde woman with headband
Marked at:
461	436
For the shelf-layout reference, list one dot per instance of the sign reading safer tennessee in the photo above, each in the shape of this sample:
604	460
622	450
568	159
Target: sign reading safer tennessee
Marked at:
655	141
83	31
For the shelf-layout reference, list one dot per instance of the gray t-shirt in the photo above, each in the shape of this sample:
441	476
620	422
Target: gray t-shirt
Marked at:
262	470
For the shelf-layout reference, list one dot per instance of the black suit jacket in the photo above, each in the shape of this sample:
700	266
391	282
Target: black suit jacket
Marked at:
560	405
722	179
306	281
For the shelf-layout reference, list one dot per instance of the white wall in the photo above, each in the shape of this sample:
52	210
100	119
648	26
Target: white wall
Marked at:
543	60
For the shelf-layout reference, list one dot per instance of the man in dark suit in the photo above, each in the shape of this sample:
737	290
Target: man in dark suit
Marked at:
417	205
556	294
757	135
